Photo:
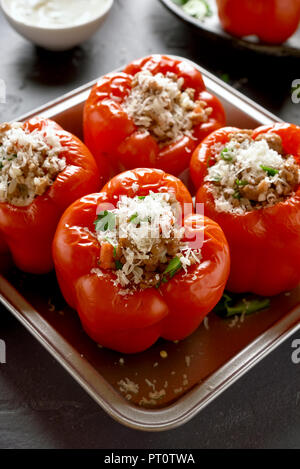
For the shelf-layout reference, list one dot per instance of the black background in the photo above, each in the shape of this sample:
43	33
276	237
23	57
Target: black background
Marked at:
40	404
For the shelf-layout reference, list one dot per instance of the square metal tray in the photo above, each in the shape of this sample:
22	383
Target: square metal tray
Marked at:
145	391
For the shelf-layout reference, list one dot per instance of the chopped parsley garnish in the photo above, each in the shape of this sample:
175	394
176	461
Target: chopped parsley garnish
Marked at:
232	305
141	197
105	221
133	218
237	195
119	265
241	183
271	171
172	268
225	156
12	157
137	220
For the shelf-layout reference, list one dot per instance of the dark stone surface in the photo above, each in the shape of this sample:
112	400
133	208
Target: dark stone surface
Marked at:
40	404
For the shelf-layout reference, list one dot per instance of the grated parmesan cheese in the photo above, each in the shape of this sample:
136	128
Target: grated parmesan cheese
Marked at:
234	321
29	163
159	105
146	235
98	272
127	386
178	390
156	395
150	384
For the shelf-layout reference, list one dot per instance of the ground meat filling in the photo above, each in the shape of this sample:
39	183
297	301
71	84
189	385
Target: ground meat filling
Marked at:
250	174
29	163
141	240
159	105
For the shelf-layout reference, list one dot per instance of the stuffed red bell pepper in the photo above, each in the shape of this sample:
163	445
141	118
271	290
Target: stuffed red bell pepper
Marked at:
248	181
273	21
43	169
129	266
153	114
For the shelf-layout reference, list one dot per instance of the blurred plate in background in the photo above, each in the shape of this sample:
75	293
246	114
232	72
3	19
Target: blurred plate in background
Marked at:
211	26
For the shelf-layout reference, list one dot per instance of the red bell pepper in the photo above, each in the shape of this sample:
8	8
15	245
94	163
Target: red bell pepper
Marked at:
273	21
131	323
118	144
28	231
264	243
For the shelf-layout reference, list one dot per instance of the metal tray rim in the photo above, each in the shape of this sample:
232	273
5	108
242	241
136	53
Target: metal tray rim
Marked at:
216	84
114	404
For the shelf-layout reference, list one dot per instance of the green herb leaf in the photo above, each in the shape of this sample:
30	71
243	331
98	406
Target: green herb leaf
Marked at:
105	221
241	182
232	305
133	219
141	197
119	265
225	156
12	157
173	267
270	171
237	195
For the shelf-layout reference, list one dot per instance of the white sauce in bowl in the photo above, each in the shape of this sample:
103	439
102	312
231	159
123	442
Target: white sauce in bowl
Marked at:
55	13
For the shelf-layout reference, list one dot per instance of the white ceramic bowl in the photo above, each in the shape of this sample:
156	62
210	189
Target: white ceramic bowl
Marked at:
57	38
